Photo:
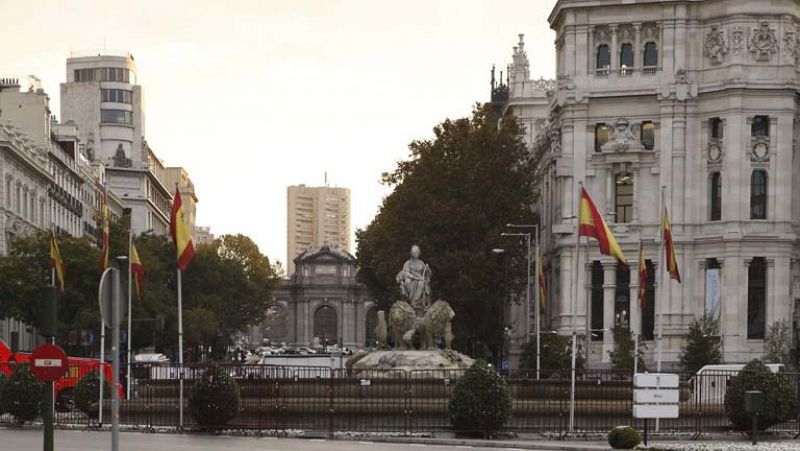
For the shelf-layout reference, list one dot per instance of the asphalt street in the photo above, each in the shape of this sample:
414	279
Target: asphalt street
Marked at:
31	439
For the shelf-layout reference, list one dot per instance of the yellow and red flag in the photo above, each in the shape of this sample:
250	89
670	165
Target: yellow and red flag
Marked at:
669	248
591	224
540	270
105	227
180	233
137	270
642	278
56	262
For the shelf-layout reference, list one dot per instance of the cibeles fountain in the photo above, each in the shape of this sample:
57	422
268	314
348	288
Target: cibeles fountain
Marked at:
420	331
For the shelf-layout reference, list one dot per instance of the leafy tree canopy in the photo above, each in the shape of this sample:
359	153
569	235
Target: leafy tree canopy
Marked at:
226	288
453	198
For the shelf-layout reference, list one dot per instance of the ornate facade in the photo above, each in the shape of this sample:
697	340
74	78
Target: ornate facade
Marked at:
322	303
700	98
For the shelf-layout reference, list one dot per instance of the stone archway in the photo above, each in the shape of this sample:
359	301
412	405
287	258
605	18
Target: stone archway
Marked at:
325	325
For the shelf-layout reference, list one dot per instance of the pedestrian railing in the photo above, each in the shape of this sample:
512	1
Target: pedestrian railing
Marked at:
283	398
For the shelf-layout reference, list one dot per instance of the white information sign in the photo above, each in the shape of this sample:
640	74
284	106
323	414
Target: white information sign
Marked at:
655	411
649	396
655	380
656	395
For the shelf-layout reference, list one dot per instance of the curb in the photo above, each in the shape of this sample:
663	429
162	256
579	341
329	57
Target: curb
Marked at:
504	444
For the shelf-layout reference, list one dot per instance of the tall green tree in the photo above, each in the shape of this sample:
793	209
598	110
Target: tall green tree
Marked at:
454	197
702	344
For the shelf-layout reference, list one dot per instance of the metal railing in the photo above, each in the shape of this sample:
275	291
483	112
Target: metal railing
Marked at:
282	398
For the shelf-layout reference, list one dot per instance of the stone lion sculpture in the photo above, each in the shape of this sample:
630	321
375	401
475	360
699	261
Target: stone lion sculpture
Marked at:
437	324
402	324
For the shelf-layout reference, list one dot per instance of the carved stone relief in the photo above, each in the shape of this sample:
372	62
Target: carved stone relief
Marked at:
715	46
759	149
714	151
623	138
602	35
737	38
763	42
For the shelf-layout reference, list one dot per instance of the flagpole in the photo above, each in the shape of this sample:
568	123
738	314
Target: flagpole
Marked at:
576	255
180	347
662	286
537	299
662	283
130	311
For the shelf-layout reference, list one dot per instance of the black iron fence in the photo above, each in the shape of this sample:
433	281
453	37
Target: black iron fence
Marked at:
285	398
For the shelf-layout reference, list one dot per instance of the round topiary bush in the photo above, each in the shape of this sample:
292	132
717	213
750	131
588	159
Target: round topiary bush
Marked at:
780	399
21	395
87	394
624	437
480	401
214	399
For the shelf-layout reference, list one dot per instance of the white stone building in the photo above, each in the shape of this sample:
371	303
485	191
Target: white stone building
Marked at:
102	98
696	96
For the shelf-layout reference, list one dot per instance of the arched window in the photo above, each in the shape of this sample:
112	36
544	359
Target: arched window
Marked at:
325	325
650	55
623	197
758	194
626	59
603	59
715	196
648	135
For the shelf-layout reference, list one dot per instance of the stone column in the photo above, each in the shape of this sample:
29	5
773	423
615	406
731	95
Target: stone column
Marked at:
638	58
614	49
609	286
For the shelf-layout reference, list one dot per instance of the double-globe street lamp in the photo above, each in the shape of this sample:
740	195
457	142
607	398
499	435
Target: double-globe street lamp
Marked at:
527	236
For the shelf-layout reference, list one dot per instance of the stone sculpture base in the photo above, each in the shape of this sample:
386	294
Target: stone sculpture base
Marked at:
417	364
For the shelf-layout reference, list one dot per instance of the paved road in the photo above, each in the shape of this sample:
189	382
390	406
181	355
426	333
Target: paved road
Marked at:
31	439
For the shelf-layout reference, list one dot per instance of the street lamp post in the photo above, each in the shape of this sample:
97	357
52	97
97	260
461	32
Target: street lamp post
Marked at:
537	300
502	254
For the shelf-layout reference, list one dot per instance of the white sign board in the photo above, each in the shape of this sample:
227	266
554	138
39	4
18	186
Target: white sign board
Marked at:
655	411
649	396
54	363
655	380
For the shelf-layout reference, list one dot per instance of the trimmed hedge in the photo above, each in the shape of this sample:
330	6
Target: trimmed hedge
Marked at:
624	437
480	401
214	399
780	399
87	394
21	395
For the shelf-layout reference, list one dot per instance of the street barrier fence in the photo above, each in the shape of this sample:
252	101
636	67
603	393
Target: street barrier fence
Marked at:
283	398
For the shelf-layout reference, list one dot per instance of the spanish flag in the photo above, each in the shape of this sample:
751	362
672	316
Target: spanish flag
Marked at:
591	223
642	278
55	260
137	270
105	227
669	248
180	233
542	303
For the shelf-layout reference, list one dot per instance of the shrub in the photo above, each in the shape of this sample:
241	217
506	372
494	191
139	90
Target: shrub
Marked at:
2	380
21	395
624	437
777	343
87	394
556	353
480	401
214	399
780	399
623	353
702	344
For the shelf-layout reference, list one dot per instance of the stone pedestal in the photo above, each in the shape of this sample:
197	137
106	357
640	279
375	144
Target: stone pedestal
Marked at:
421	364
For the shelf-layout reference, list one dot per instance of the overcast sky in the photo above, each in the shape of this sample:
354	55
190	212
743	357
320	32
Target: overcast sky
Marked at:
253	96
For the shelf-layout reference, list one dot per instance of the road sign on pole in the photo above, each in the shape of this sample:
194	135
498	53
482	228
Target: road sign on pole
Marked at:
110	307
48	362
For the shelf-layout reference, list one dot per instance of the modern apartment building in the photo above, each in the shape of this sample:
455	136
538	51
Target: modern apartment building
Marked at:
101	96
316	216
